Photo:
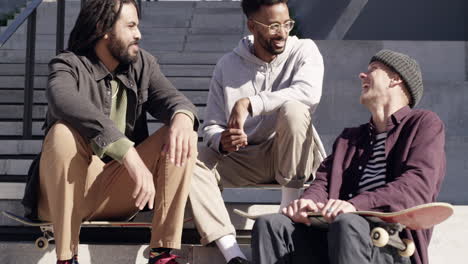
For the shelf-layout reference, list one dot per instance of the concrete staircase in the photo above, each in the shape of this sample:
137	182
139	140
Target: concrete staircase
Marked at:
188	38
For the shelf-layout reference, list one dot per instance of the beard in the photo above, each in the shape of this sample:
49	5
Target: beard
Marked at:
120	51
268	45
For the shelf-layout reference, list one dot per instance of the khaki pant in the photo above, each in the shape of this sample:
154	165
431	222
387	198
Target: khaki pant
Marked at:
76	185
289	158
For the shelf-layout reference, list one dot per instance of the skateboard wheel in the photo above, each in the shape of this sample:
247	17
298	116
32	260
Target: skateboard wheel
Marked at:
42	243
379	237
409	248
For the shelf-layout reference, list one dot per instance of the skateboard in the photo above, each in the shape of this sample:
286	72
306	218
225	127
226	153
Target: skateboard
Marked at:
48	230
387	226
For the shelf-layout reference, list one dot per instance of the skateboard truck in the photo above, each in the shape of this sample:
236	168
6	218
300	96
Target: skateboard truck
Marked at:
47	236
385	233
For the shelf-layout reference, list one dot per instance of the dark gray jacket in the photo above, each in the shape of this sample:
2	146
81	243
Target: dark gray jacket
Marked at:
79	93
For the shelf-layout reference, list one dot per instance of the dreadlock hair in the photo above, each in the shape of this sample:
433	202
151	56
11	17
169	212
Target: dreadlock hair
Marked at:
252	6
96	18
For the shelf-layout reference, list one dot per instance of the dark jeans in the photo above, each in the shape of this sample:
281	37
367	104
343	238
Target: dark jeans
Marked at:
277	240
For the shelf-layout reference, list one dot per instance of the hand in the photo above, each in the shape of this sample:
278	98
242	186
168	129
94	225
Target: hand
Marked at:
181	141
336	207
298	209
144	191
239	114
232	139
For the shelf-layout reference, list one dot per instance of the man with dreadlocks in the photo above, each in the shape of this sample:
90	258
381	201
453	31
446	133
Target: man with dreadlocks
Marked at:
97	160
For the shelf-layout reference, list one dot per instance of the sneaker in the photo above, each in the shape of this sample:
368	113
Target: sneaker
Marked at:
164	258
75	259
238	260
69	261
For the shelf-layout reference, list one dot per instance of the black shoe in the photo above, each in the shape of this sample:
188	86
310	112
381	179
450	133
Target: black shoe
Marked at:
75	259
238	260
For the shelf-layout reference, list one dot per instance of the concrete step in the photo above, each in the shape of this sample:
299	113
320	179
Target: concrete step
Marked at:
343	59
181	82
26	253
17	96
232	20
44	56
447	246
14	166
173	19
15	128
250	199
170	70
14	112
176	43
209	43
20	147
240	223
179	22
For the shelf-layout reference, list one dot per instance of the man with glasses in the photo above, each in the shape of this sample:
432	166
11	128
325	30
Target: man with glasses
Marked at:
258	122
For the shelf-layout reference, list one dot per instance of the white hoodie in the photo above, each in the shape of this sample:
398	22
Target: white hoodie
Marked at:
295	74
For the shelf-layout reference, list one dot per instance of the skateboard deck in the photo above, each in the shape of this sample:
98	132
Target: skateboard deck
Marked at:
48	231
387	226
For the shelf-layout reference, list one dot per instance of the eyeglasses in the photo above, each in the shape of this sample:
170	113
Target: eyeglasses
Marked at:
275	28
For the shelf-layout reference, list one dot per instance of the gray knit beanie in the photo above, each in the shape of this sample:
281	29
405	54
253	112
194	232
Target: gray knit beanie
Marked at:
407	68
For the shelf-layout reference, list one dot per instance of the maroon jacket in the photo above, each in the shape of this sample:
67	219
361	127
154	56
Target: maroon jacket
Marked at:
415	155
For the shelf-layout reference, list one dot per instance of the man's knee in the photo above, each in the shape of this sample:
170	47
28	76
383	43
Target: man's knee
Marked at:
347	224
294	116
208	156
63	140
268	223
62	131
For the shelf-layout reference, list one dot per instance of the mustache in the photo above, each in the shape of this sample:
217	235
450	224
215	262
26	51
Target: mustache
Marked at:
134	43
279	38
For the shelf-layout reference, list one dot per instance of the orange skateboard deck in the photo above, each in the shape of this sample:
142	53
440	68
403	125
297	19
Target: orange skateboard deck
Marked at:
418	217
387	226
48	231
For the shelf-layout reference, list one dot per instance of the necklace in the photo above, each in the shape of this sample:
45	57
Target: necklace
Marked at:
117	88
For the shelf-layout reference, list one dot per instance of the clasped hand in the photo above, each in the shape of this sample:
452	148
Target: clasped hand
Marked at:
298	209
233	138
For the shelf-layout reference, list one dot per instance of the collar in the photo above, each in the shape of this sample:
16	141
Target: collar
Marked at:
395	119
398	116
97	67
100	70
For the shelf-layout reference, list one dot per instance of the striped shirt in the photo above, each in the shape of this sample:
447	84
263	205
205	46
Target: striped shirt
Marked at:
375	172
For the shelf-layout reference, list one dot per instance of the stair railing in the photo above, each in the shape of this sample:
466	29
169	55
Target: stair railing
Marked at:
29	13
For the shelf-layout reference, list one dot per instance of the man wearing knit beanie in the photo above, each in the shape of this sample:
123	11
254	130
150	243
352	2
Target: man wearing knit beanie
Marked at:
393	162
407	68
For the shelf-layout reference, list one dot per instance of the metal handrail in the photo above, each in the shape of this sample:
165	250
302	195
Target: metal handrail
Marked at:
19	20
139	7
30	14
59	45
